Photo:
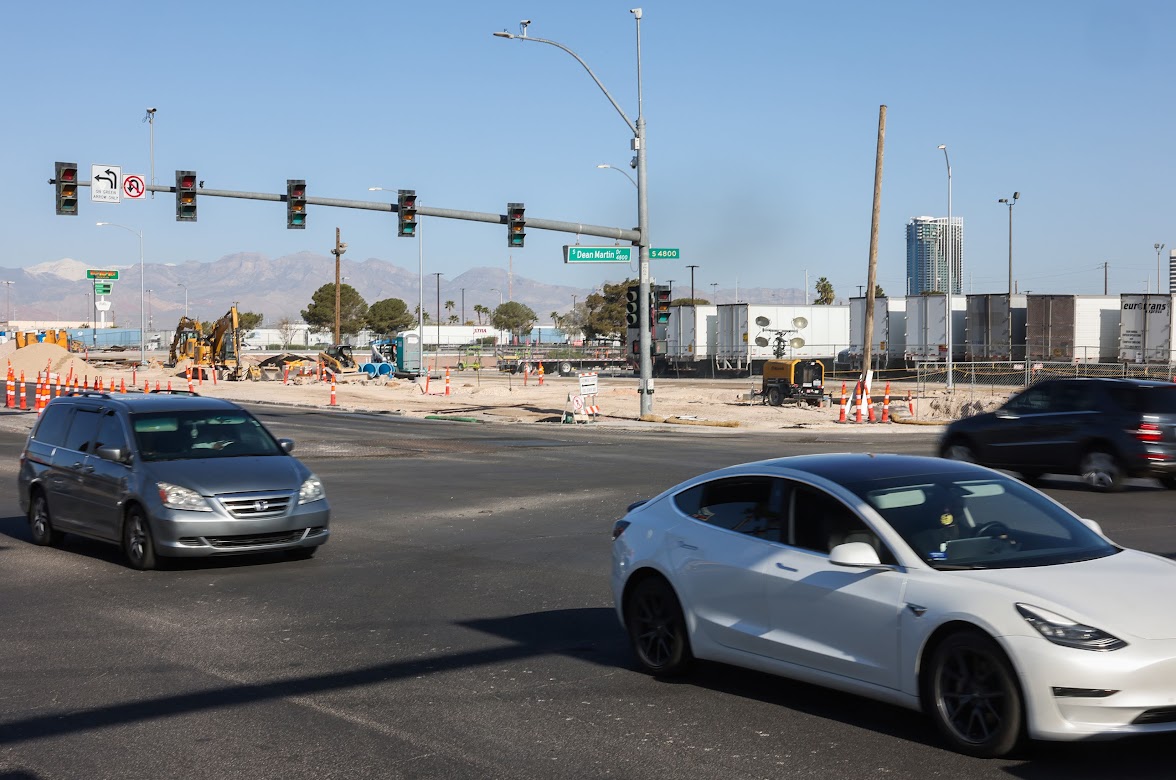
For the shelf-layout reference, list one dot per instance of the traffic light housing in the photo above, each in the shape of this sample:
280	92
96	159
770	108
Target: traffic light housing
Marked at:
185	196
661	303
295	204
406	220
632	308
516	225
66	177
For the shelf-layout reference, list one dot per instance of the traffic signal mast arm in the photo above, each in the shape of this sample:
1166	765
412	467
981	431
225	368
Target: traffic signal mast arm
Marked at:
619	234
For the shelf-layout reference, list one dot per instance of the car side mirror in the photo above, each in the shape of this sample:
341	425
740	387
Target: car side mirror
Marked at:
116	454
1006	414
287	445
1093	526
856	554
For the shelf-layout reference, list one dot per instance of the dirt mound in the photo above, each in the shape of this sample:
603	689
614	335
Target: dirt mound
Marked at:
51	357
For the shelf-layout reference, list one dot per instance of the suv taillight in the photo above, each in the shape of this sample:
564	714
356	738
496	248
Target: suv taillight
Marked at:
619	528
1149	433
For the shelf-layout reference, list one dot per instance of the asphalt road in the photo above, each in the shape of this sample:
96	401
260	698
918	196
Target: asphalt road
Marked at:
458	625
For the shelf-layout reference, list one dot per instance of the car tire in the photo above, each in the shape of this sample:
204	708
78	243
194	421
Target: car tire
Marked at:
958	449
565	369
1031	478
971	693
1168	482
1101	470
138	544
41	523
775	397
657	628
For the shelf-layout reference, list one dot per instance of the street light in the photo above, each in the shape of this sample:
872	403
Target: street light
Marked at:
1159	285
420	280
181	284
715	293
1011	202
495	289
142	292
620	171
949	248
645	389
437	354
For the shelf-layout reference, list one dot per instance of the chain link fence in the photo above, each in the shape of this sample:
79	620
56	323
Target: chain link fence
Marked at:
1003	378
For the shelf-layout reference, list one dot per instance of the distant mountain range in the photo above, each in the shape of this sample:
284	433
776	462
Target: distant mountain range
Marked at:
281	287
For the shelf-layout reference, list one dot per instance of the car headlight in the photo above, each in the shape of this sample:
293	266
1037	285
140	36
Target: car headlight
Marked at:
176	497
311	490
1065	632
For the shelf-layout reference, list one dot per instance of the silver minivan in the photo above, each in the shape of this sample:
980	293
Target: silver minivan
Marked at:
167	475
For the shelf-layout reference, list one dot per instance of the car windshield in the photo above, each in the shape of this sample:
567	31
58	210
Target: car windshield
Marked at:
955	522
189	435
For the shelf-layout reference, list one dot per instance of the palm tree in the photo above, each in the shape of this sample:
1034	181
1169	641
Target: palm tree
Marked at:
479	309
449	306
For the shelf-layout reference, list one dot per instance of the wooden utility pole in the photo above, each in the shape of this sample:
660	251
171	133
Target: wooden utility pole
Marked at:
872	275
338	251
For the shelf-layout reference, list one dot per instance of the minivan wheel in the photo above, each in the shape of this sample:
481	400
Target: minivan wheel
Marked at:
137	542
1101	471
657	629
40	522
971	692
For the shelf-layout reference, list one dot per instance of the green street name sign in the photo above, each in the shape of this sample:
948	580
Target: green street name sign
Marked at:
598	254
665	254
102	288
111	276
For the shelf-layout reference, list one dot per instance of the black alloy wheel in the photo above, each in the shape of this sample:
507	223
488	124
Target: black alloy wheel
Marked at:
138	545
40	523
657	628
1101	470
971	692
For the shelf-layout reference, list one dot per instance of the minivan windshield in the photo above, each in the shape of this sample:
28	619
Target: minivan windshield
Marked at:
954	521
194	434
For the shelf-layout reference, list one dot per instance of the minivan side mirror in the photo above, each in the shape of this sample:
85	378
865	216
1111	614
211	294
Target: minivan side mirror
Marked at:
287	445
116	454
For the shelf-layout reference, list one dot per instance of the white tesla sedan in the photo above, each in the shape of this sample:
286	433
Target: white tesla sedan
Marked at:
936	585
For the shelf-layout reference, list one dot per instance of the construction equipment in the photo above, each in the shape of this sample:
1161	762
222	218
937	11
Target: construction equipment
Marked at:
793	380
339	359
219	351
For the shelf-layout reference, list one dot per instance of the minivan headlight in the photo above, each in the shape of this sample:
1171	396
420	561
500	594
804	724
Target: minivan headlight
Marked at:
176	497
1065	632
311	490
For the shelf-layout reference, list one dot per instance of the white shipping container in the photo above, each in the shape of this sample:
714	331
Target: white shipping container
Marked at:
926	327
691	333
825	330
1073	328
995	327
889	340
1145	328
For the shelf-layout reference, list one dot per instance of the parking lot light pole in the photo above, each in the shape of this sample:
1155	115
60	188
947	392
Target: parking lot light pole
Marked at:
142	292
645	389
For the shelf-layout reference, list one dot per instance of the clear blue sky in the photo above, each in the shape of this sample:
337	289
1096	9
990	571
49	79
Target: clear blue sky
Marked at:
761	123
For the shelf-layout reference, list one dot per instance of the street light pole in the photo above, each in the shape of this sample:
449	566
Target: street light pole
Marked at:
949	252
181	284
1159	284
142	292
715	293
1011	202
691	267
495	289
645	389
437	353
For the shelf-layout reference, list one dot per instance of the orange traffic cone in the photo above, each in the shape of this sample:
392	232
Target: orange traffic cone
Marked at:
541	375
857	402
841	417
886	404
333	401
122	385
446	381
24	407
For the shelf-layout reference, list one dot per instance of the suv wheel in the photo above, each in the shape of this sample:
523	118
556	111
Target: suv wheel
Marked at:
1101	470
137	542
1168	481
40	523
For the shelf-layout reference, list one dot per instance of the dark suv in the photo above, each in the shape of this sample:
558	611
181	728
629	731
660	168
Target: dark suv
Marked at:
1101	429
167	474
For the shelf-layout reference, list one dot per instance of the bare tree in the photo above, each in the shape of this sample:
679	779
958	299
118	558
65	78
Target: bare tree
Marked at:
287	328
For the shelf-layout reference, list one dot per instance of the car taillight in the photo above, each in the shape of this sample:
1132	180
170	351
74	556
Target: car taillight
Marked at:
1149	433
619	528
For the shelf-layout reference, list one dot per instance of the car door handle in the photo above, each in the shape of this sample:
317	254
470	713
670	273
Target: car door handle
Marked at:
785	568
685	546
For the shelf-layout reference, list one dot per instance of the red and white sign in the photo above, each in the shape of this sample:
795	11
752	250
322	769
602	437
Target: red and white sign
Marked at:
134	187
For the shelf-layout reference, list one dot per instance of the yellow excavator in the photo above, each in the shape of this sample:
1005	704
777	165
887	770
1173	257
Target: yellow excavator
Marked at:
219	351
339	359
